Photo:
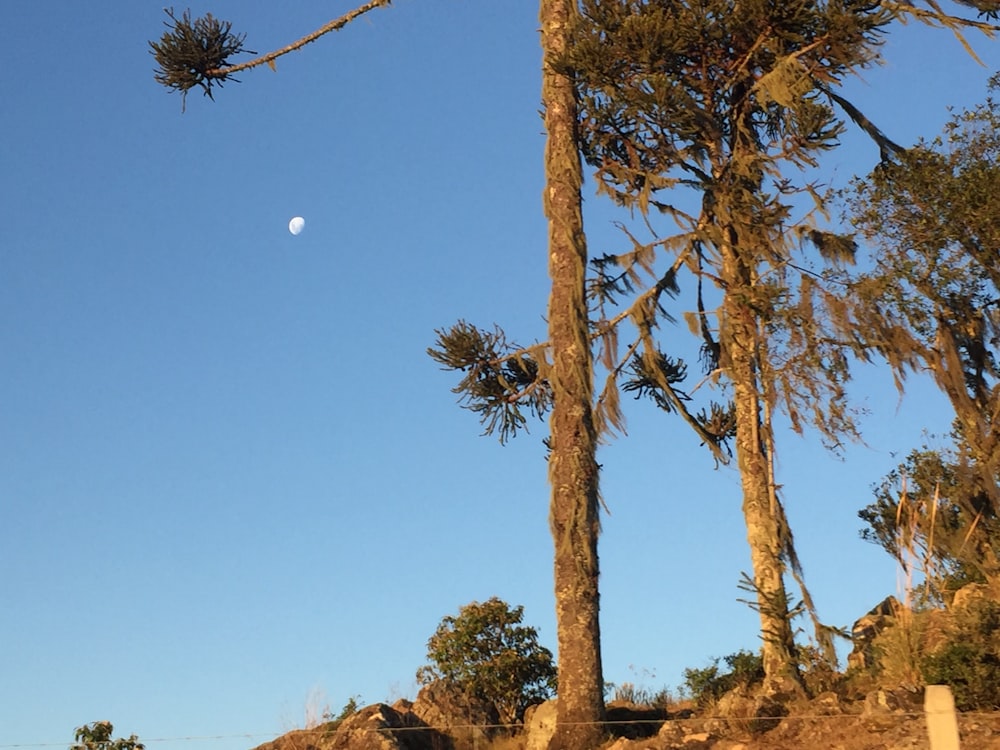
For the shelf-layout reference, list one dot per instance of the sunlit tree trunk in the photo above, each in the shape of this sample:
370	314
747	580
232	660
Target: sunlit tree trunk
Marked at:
573	470
763	516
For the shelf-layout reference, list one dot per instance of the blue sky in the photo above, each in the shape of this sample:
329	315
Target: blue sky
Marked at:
231	478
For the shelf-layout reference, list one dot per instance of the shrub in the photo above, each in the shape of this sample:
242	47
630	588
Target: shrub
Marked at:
489	655
969	660
97	736
707	685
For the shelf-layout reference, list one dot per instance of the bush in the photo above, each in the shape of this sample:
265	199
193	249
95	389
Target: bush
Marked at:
969	660
707	685
635	695
490	656
97	736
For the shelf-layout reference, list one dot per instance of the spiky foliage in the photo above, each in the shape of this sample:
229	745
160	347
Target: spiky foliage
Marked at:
727	101
192	52
196	53
502	383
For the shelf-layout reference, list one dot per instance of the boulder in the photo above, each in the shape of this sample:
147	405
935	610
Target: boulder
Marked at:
449	710
867	628
381	727
969	594
634	722
539	725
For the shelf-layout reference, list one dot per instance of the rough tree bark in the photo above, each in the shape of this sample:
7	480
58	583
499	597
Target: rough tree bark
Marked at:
761	510
573	470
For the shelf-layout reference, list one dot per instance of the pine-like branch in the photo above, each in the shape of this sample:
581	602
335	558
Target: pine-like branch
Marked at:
195	53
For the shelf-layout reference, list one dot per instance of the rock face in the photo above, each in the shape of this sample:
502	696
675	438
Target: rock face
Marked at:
539	725
634	722
381	727
866	630
378	727
441	706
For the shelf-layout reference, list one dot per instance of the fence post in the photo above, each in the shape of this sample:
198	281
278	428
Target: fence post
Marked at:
942	724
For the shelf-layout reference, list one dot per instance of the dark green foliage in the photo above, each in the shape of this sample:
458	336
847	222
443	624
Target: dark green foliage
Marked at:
350	708
501	381
97	736
708	684
987	8
645	380
658	381
969	662
192	53
490	656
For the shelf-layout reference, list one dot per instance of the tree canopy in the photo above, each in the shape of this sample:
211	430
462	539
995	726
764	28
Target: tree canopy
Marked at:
489	655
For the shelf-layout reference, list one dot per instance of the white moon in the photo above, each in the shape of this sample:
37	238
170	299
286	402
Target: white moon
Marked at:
296	224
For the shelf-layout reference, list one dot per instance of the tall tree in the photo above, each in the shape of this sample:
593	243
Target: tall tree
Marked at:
573	469
194	53
722	98
930	299
730	100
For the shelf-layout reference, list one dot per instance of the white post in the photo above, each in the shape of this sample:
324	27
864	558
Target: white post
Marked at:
942	723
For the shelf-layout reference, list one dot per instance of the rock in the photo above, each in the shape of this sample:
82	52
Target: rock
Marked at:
969	594
742	712
866	630
381	727
626	720
539	725
827	704
443	707
697	737
317	738
884	709
671	733
624	743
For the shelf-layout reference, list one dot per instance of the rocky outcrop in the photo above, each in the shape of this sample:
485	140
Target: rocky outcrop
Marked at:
539	725
867	628
381	727
377	727
634	722
465	719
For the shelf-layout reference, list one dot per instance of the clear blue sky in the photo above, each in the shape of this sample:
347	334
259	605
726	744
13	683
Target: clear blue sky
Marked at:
230	477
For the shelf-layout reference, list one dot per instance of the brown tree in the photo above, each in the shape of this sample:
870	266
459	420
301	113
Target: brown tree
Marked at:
573	470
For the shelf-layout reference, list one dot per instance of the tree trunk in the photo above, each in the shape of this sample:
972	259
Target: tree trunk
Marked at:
573	470
763	516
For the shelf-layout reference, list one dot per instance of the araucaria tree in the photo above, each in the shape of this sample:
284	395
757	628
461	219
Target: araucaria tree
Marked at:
194	53
720	100
573	469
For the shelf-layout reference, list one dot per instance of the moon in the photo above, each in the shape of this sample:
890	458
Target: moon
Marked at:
296	224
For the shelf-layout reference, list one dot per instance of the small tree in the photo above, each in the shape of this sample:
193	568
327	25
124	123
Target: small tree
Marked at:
97	736
490	656
932	512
